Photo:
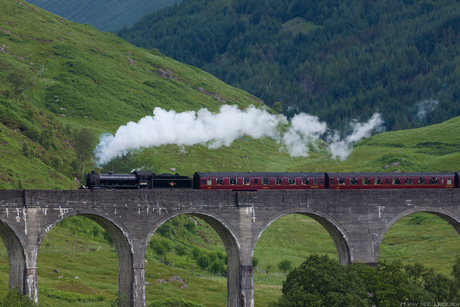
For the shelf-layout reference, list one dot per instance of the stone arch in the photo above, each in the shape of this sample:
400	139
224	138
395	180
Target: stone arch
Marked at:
17	257
448	216
121	239
333	227
231	242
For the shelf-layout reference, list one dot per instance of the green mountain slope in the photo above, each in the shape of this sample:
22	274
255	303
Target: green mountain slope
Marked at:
58	76
340	60
106	15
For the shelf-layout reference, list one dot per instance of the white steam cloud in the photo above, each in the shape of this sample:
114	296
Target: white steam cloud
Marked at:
304	130
342	148
219	129
425	107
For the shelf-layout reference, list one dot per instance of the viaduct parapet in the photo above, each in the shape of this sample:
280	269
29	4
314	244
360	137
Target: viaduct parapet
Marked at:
357	221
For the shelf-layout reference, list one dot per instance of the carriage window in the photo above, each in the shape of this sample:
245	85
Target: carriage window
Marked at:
353	181
219	181
449	180
315	181
387	181
320	180
232	181
265	181
442	180
408	180
433	180
278	181
256	181
396	180
291	181
246	181
421	181
332	181
378	181
305	181
203	181
209	181
366	181
341	181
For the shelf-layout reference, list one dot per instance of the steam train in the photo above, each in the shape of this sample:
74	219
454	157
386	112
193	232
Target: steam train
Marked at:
253	181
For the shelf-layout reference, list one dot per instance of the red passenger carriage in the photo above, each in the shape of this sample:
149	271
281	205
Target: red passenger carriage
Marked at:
349	181
258	181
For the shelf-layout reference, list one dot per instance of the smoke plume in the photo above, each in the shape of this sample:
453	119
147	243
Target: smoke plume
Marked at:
425	107
342	148
221	129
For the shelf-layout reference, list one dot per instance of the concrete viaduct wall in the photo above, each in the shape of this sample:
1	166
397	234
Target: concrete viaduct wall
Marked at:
357	221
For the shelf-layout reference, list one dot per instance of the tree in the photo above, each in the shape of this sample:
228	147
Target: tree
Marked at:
25	149
454	285
267	270
277	107
255	261
285	266
320	281
56	163
217	266
84	145
19	79
203	261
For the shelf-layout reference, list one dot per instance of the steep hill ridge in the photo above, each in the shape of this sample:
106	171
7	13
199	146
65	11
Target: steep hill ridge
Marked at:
58	76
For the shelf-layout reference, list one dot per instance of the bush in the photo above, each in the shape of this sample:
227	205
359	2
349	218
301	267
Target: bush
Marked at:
161	247
191	227
14	298
19	79
255	261
180	250
68	296
165	229
203	261
217	267
174	302
320	281
285	266
196	252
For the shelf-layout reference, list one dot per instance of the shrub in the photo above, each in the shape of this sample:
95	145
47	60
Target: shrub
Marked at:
68	296
217	267
203	261
180	250
191	227
174	302
16	299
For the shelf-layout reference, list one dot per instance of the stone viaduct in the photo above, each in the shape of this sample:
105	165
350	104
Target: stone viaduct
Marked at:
357	221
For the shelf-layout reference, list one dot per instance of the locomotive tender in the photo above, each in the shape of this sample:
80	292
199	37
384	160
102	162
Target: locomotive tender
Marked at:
253	181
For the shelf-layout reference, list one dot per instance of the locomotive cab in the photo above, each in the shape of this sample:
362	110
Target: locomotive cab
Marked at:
144	179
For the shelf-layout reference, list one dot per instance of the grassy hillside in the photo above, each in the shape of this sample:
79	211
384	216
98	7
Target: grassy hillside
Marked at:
107	16
58	76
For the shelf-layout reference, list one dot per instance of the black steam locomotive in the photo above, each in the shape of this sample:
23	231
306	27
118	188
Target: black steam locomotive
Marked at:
254	181
137	180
